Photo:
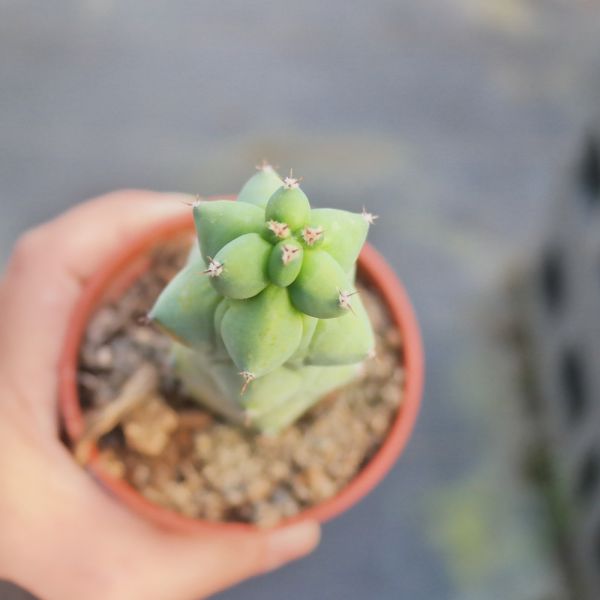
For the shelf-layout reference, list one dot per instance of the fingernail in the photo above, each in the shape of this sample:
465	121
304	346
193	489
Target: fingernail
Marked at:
293	542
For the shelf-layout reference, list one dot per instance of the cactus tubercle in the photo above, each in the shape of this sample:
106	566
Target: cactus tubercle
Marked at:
214	269
280	230
345	300
248	379
370	218
291	182
285	262
289	253
312	235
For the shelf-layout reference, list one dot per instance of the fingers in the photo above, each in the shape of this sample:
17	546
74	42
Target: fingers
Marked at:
37	294
290	544
206	565
85	235
43	282
80	239
56	510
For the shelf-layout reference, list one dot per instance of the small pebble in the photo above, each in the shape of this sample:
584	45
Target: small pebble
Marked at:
148	428
104	357
258	489
321	486
203	445
141	474
112	464
278	470
194	419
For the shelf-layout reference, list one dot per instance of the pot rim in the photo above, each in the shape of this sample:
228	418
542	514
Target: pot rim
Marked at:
371	265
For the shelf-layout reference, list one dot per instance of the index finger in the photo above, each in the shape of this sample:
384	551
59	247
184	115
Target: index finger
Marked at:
44	279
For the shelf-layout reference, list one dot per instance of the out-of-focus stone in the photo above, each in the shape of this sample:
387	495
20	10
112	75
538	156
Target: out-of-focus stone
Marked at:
111	463
148	428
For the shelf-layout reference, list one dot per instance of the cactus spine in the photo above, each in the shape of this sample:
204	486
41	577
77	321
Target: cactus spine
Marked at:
268	305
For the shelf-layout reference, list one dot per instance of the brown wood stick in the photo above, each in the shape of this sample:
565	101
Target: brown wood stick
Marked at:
136	390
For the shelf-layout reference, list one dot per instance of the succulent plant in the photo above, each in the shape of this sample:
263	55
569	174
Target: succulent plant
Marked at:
265	313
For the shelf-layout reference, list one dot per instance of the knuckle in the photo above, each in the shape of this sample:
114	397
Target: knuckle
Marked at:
30	243
29	247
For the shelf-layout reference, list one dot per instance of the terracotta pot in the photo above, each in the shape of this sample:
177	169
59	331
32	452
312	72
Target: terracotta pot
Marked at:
128	263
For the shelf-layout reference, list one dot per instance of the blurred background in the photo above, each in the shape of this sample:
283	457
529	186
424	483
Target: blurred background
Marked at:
464	124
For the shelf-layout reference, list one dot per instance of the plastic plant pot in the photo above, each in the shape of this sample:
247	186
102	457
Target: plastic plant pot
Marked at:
121	269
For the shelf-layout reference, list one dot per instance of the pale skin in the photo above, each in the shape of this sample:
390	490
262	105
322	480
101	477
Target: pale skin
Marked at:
62	536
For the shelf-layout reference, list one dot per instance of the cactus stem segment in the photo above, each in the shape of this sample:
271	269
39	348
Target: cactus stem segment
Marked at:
263	298
291	182
215	268
281	230
311	235
345	300
289	253
370	218
248	379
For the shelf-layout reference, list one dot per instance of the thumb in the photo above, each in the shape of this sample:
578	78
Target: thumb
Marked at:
199	567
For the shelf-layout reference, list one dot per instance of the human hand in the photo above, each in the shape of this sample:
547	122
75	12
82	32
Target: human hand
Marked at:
61	536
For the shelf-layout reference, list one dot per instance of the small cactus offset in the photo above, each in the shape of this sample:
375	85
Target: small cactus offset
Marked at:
266	316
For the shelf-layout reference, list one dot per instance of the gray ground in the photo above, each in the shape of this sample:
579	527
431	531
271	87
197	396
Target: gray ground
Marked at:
450	118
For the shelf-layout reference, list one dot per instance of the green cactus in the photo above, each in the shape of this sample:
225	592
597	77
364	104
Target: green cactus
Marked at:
265	315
